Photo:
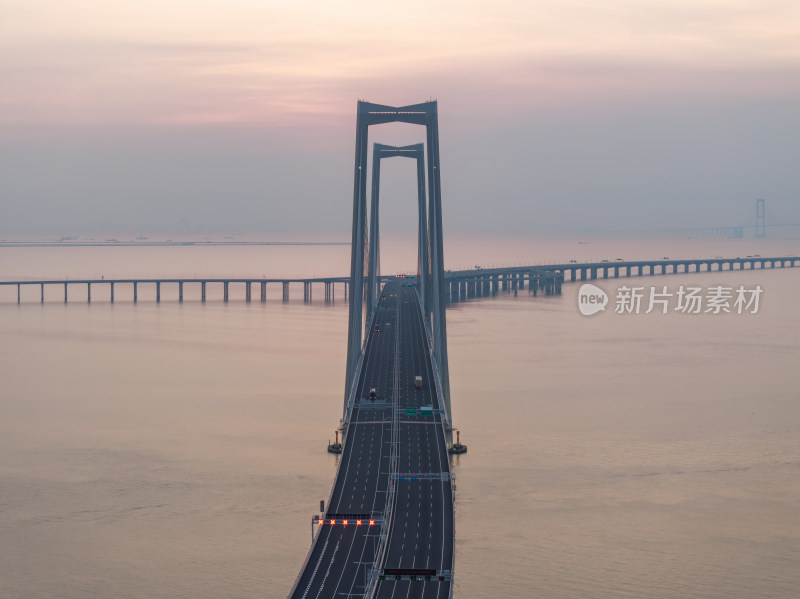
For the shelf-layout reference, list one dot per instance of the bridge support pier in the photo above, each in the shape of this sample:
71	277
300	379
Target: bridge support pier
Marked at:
112	292
19	292
203	291
263	291
42	300
306	291
180	291
88	293
286	291
247	291
158	292
65	292
225	291
135	292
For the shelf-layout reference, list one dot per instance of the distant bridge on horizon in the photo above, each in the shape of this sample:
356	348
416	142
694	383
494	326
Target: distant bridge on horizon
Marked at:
459	285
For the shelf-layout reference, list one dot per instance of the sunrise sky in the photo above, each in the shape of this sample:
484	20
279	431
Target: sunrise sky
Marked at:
239	116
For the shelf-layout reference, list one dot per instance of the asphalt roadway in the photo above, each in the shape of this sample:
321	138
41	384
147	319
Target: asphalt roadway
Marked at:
413	480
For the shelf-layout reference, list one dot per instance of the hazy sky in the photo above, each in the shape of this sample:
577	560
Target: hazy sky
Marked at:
123	117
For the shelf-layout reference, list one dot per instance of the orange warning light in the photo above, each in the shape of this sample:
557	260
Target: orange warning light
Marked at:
333	521
344	522
372	522
321	522
358	522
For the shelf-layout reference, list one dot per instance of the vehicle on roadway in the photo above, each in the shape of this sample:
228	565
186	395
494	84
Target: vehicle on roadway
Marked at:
373	395
418	382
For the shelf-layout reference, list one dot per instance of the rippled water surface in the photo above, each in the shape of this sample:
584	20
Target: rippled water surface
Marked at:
178	450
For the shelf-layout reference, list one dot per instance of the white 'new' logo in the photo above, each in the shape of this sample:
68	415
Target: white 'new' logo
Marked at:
591	299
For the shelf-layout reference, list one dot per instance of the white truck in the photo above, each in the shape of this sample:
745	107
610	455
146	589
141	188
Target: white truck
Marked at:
418	382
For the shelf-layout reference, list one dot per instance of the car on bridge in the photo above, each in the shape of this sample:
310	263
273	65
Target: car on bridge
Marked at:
373	394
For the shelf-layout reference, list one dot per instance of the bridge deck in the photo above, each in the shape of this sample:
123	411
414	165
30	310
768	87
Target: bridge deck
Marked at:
386	449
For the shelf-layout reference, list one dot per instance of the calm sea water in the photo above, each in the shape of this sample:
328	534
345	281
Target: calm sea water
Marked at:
178	450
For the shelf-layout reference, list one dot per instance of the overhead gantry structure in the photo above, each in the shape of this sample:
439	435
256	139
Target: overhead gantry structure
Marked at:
365	243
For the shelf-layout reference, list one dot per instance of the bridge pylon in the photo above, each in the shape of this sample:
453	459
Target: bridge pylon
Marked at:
381	151
761	229
365	250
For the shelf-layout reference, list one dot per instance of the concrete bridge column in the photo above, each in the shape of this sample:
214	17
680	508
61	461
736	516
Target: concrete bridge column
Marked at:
328	295
135	291
158	292
225	291
203	291
263	291
42	292
286	291
180	291
306	291
583	274
247	290
88	293
559	280
18	291
112	292
65	293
